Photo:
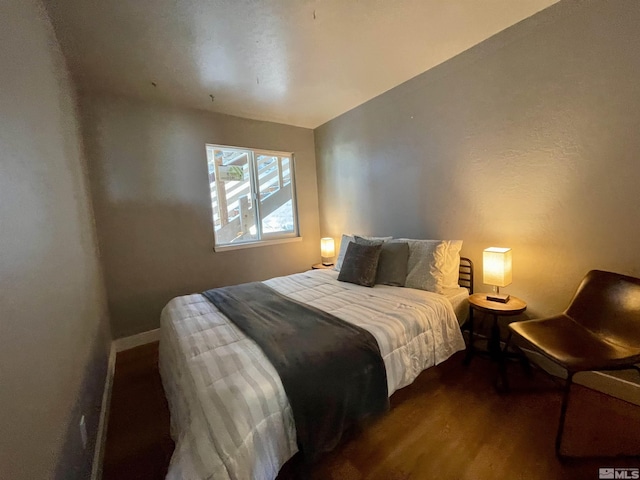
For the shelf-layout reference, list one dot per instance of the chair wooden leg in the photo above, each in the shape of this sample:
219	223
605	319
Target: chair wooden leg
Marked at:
563	413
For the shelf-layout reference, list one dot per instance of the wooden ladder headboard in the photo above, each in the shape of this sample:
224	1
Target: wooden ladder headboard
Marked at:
465	274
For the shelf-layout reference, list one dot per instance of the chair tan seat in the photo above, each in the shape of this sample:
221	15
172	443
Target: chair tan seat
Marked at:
566	342
600	330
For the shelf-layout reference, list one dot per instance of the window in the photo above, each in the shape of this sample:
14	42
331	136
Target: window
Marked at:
238	178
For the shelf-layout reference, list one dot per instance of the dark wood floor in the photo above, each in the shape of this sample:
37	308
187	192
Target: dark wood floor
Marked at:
449	424
138	442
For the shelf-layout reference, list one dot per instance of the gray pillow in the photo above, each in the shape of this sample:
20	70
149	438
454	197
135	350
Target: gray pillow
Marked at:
360	264
344	242
392	266
367	241
394	257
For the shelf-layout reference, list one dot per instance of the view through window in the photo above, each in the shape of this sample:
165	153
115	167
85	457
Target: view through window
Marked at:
238	178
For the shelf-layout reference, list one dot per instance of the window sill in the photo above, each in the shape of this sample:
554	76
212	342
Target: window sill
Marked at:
259	243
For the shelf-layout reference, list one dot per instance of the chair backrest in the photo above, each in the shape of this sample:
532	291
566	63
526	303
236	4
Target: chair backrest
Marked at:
608	304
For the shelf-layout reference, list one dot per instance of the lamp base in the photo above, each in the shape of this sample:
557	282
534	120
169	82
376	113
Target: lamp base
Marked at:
498	297
327	264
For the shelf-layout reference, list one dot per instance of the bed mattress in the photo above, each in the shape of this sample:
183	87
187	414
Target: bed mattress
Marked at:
230	417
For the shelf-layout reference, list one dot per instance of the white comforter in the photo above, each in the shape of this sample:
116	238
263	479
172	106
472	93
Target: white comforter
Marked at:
230	417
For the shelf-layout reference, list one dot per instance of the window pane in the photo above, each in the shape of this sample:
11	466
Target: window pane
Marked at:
231	199
238	177
276	194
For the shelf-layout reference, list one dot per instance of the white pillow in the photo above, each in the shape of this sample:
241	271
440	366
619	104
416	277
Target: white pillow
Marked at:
344	243
433	264
449	263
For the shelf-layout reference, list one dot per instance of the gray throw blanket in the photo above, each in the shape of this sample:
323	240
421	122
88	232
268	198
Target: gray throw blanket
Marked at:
331	370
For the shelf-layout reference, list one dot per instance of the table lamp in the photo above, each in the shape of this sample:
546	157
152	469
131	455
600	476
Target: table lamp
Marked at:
327	250
496	271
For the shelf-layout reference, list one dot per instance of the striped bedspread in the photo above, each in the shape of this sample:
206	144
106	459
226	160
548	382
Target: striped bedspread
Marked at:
230	417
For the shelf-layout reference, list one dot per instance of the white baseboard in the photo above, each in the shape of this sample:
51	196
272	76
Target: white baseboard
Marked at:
611	385
101	437
603	382
137	340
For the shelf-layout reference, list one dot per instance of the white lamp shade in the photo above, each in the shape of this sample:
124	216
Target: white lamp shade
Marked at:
496	266
327	247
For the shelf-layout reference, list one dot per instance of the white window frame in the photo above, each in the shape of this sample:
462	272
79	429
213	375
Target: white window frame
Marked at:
263	238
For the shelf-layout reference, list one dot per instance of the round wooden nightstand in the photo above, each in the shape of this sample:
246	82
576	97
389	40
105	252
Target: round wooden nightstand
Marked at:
320	266
514	306
479	302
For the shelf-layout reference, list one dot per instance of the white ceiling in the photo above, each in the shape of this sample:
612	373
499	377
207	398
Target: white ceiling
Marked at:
299	62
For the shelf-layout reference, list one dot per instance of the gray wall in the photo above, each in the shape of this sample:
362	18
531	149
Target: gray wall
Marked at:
54	333
152	201
529	140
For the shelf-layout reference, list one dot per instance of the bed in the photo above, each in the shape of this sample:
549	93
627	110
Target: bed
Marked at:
230	417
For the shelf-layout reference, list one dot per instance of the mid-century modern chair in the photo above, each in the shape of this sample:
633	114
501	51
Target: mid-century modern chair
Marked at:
600	330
